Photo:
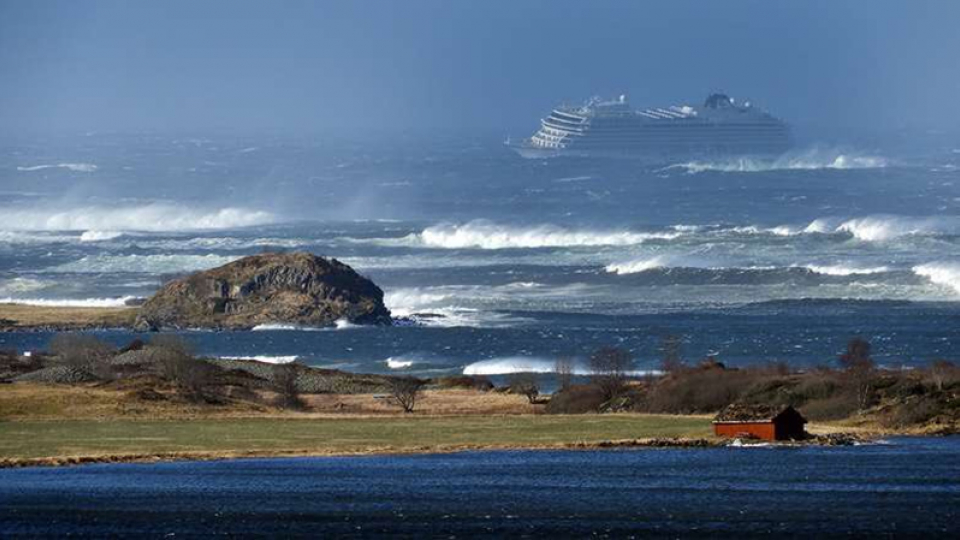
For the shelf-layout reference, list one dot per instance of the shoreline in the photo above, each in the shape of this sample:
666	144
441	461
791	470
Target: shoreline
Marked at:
169	457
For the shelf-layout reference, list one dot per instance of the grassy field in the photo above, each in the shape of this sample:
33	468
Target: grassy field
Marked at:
226	437
23	316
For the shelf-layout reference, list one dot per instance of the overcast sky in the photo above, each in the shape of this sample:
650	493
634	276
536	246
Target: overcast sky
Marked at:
386	65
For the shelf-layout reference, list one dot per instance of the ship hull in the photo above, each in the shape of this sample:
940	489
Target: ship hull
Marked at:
651	155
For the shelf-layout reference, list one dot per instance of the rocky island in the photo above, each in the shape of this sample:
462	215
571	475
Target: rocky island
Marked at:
290	288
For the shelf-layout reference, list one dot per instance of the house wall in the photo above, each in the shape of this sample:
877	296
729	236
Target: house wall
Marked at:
761	430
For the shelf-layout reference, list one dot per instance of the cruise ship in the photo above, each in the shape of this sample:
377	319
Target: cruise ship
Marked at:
721	127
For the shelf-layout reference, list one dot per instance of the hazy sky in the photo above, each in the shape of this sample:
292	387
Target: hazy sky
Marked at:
493	65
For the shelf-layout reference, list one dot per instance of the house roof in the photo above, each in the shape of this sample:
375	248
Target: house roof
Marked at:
743	412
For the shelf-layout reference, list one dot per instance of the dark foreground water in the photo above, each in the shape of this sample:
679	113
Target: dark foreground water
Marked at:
904	487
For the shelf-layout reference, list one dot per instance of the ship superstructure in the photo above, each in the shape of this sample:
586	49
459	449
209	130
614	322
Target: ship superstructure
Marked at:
720	127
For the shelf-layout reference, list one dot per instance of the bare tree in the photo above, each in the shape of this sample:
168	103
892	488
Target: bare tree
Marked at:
941	371
525	384
285	384
564	370
610	366
177	364
406	390
84	352
671	359
859	370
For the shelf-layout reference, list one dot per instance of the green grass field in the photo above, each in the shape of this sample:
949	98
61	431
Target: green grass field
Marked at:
263	436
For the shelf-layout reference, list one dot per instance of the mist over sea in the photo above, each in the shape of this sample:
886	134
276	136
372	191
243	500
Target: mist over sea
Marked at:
505	263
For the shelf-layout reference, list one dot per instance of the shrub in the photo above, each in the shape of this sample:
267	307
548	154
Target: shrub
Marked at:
177	364
576	399
472	382
526	385
406	391
609	366
285	384
564	368
837	407
84	352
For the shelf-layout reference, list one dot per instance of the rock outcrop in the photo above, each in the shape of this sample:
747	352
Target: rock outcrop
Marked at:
271	288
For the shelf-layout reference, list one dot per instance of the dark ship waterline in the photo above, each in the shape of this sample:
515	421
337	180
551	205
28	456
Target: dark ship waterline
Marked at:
719	128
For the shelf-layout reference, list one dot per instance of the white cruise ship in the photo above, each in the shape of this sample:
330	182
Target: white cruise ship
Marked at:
721	127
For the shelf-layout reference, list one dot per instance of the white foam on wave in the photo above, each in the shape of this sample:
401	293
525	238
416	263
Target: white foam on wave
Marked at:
75	167
264	358
282	327
810	160
880	228
637	266
99	236
843	270
526	364
19	285
946	274
80	303
398	362
481	234
453	306
874	228
339	324
147	264
146	217
404	302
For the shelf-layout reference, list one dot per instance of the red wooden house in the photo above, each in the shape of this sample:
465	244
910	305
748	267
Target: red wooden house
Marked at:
760	422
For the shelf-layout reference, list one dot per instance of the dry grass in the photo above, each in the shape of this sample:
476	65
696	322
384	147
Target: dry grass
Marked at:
347	434
65	318
432	402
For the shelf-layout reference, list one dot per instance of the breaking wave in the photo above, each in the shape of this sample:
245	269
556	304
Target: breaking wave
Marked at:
398	362
147	264
264	358
810	160
405	302
149	217
22	285
83	302
841	270
75	167
99	236
482	234
635	267
524	364
941	273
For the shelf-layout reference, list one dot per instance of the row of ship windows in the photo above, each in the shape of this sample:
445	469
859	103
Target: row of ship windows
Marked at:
667	127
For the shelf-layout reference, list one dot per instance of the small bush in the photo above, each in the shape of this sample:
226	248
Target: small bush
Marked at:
576	399
526	385
471	382
285	383
834	408
85	353
406	391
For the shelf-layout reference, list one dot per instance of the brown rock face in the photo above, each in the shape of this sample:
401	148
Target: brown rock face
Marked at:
290	288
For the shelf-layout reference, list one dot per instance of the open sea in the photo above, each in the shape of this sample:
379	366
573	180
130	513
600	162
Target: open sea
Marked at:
904	487
506	263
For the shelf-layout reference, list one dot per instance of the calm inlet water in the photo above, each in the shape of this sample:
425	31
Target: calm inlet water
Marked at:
903	487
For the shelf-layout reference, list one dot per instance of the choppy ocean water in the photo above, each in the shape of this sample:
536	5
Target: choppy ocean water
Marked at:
904	487
514	262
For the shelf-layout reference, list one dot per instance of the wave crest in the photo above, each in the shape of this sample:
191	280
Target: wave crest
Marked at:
150	217
75	167
946	274
483	234
806	161
79	303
